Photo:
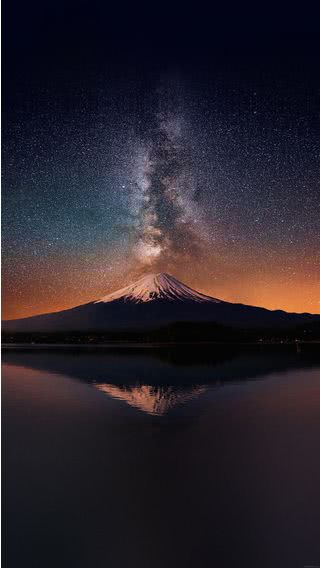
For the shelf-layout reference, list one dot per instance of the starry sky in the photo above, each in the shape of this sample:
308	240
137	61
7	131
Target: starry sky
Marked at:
138	142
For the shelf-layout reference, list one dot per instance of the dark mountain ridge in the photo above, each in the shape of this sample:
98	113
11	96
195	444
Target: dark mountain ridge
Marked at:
154	302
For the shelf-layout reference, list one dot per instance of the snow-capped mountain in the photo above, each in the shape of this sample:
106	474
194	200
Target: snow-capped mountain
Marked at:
152	399
160	286
152	302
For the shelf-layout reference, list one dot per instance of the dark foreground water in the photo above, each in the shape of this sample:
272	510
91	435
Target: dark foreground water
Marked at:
168	458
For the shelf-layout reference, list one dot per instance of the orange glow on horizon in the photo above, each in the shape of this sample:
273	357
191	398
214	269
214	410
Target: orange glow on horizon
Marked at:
271	292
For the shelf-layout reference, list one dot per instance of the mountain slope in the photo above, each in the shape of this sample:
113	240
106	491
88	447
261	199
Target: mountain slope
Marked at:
153	301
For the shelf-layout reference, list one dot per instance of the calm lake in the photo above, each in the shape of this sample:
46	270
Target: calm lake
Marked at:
160	458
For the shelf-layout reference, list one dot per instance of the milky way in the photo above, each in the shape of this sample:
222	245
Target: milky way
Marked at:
169	228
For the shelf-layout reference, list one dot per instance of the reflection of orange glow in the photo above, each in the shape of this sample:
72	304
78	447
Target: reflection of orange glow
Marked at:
149	399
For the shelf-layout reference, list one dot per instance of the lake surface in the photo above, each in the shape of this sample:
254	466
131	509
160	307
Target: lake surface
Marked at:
185	457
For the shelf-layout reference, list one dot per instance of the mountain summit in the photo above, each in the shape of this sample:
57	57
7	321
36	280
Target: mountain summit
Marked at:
160	286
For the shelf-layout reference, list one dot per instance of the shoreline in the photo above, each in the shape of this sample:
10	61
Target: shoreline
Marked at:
153	345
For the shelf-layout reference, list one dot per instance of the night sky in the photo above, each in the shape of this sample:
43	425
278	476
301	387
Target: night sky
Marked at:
146	142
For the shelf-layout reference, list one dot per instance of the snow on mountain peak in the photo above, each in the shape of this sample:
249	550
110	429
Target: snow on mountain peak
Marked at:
155	287
153	399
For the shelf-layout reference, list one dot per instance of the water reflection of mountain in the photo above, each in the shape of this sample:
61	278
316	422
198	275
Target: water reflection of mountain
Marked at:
155	381
157	400
183	365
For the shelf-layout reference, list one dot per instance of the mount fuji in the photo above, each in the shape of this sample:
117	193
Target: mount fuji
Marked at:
155	301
